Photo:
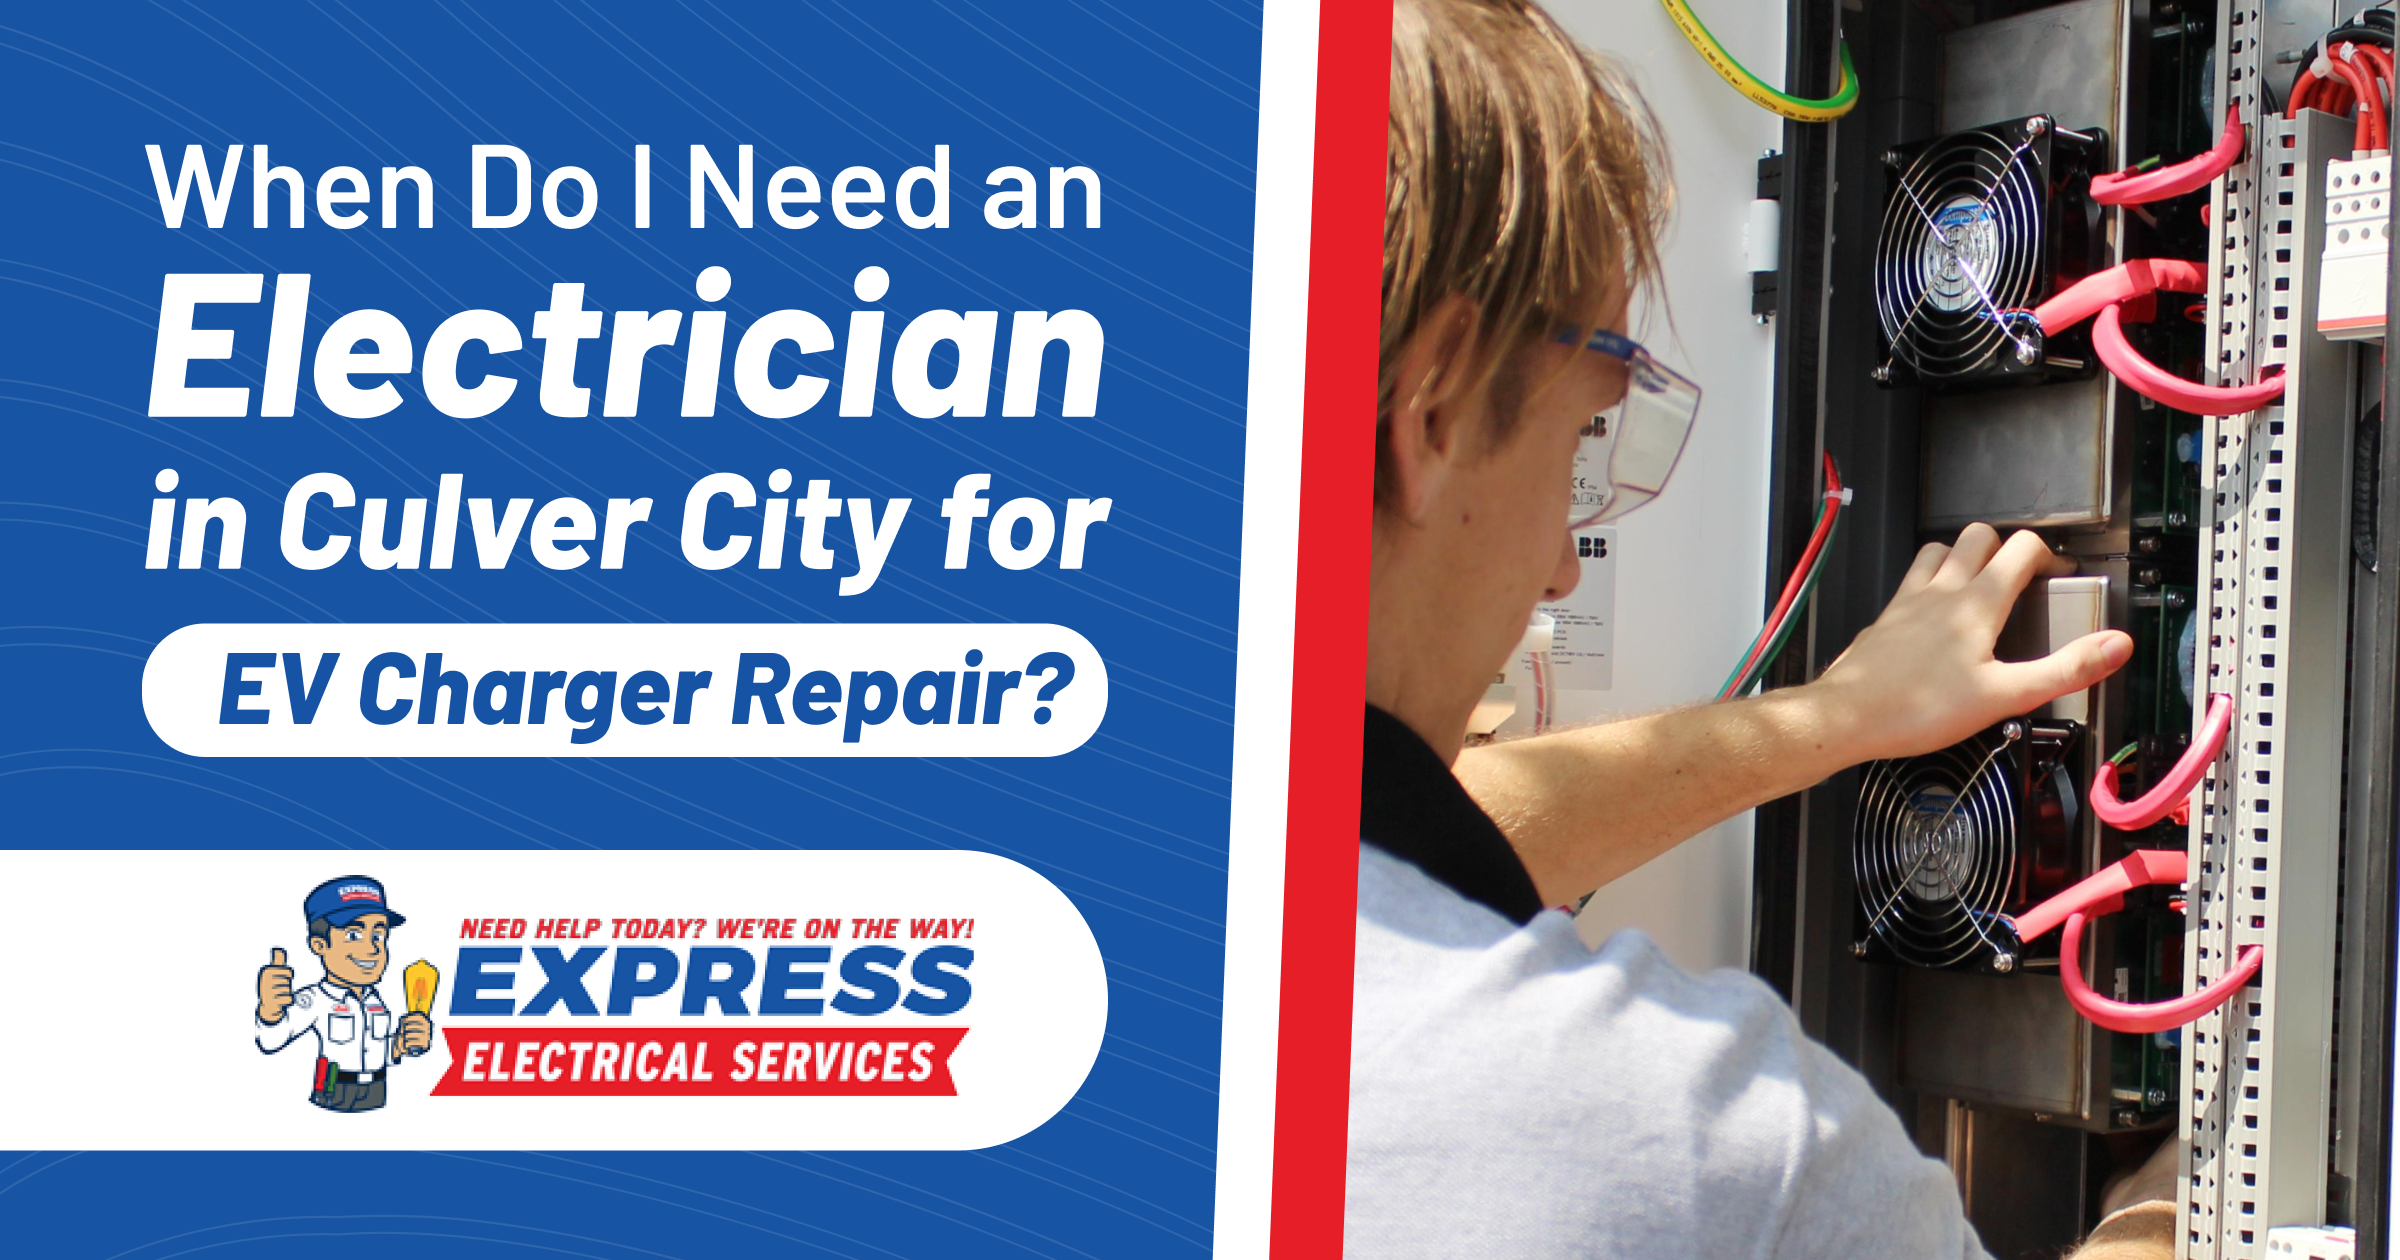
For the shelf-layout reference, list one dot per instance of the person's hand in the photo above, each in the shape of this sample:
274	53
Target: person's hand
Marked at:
1923	677
416	1033
274	989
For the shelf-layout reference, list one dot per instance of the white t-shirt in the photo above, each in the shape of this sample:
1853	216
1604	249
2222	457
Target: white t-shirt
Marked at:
1513	1093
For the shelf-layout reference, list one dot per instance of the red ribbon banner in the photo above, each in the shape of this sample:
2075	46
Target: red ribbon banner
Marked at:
685	1062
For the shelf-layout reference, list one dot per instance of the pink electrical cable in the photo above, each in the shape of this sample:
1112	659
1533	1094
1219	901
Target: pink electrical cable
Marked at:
2159	385
2104	294
2177	784
2147	1017
2105	887
2368	98
2132	189
2104	893
2102	289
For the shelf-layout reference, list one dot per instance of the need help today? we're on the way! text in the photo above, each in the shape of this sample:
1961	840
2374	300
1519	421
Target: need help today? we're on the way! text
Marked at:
470	366
725	981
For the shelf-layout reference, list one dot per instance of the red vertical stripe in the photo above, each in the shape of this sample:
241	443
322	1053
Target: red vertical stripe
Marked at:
1337	472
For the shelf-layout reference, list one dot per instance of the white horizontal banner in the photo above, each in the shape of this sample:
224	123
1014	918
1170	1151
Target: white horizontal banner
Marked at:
465	1000
648	690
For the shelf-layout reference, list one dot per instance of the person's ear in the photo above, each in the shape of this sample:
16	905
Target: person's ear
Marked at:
1431	428
318	945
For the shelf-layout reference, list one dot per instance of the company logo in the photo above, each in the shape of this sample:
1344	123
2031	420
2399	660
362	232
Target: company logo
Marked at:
707	1006
358	1042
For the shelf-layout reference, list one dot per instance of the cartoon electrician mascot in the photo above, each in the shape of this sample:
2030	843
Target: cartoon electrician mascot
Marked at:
359	1036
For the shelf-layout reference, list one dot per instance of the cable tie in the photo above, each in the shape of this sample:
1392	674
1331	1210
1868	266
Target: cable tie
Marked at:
1842	496
2322	67
2349	52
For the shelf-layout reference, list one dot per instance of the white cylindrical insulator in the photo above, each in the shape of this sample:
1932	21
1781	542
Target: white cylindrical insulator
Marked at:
1762	236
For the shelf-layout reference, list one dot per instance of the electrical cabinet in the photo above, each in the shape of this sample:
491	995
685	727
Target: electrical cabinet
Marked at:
2116	271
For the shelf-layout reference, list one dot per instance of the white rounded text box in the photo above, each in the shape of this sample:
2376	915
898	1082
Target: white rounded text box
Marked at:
650	690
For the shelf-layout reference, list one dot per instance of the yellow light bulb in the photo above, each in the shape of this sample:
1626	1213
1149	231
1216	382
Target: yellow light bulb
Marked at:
421	979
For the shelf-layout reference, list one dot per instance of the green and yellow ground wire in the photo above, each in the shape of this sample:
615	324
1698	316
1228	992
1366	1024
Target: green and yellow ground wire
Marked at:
1750	85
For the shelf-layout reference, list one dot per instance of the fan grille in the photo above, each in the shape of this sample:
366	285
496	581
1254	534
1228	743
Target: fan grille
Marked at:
1936	851
1958	265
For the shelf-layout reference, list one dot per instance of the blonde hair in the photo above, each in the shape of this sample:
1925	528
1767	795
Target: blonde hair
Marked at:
1526	174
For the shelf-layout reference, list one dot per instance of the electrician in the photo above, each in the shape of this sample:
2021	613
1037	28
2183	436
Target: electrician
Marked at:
1512	1091
358	1039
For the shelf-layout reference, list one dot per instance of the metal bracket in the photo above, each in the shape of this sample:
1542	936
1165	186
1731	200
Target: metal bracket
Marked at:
1765	285
2274	574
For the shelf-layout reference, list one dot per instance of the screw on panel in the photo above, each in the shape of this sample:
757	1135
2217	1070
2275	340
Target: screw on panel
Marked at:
1882	374
2036	125
1858	948
1893	157
2003	961
2156	1097
2026	353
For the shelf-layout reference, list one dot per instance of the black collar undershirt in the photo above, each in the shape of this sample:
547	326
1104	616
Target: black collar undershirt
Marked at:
1412	807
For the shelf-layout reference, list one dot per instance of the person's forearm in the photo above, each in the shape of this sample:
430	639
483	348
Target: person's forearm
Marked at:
1585	806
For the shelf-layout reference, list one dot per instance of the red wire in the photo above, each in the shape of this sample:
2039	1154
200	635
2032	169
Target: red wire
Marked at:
2381	62
2104	293
2158	385
2379	68
2172	788
2125	188
1799	578
2103	892
2362	88
2147	1017
2302	88
2331	96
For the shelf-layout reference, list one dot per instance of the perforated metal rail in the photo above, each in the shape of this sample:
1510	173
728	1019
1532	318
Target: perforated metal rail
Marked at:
2273	578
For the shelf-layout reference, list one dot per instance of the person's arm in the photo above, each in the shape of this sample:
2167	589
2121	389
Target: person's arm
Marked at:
2144	1231
1585	806
2138	1212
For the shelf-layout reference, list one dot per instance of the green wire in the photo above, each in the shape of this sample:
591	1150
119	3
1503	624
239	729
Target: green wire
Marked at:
1760	92
1726	689
1792	622
1782	632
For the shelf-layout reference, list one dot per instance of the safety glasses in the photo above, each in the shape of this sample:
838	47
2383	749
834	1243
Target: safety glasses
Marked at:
1628	451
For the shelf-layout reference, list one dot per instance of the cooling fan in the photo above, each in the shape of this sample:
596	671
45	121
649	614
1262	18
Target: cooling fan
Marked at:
1980	227
1948	845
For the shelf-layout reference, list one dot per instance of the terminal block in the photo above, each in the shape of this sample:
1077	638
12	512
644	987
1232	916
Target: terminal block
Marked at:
2358	245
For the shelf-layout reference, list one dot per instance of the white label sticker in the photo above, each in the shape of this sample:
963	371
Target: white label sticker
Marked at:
1583	650
638	690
